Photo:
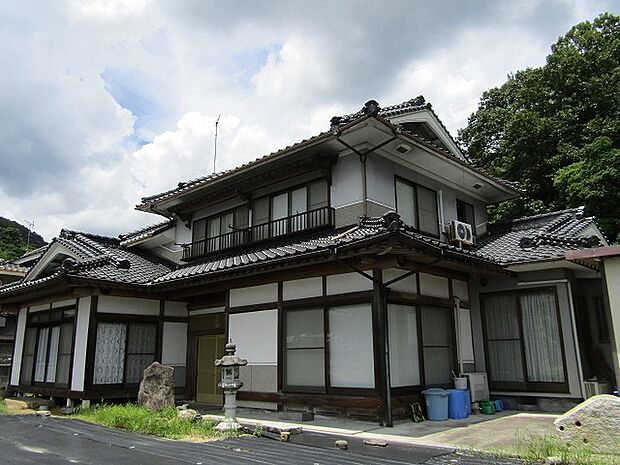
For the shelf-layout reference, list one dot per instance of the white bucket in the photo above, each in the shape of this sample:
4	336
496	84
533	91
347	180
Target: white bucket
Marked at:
460	383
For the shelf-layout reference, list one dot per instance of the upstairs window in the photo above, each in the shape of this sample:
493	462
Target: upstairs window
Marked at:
215	229
292	203
465	214
417	206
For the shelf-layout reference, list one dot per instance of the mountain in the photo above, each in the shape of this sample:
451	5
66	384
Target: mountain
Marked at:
14	239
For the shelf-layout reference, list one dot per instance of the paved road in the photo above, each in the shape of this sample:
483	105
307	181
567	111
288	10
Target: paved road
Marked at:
27	439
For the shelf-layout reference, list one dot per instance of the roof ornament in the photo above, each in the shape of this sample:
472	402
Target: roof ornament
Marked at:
392	221
371	108
334	123
418	101
69	264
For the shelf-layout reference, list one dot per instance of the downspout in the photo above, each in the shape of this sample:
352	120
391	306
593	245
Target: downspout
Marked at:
457	331
364	187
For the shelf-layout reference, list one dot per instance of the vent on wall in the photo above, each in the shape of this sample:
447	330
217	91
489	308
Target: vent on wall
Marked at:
403	148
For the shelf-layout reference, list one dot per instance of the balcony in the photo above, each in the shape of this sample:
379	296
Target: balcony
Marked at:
321	218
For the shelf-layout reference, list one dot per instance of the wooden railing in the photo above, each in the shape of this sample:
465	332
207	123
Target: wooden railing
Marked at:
306	221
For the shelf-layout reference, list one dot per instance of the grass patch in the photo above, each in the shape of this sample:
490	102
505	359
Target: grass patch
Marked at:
164	424
3	408
535	449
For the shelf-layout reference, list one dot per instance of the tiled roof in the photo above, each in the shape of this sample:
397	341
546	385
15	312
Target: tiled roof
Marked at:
368	229
12	267
203	180
100	258
415	104
537	238
146	232
530	239
371	108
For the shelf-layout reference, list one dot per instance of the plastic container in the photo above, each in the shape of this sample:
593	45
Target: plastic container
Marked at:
436	404
457	409
499	406
487	407
468	401
460	383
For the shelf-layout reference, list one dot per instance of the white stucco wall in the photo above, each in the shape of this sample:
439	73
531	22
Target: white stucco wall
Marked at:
81	341
174	348
254	295
18	350
175	308
127	305
302	288
612	278
434	286
348	282
407	285
256	336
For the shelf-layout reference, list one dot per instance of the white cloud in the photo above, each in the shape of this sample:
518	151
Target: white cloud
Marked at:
71	154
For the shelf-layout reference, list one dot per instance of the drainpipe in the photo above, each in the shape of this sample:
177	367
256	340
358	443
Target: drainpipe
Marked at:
457	331
364	187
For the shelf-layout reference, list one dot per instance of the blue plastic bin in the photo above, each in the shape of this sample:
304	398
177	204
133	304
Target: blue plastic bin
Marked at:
468	402
436	404
457	408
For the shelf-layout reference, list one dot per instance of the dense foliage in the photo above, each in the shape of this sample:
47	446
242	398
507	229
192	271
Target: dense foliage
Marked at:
14	239
556	129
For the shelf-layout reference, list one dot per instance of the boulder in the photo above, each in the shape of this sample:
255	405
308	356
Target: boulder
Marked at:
189	414
157	387
595	421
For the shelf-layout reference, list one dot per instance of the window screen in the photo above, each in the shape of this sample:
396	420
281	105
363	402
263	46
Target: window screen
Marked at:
305	348
403	337
437	347
350	347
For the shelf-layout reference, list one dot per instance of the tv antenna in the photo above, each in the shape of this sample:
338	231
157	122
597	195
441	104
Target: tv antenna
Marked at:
217	121
30	225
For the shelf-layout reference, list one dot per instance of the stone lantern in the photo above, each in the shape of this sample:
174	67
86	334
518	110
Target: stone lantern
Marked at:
230	384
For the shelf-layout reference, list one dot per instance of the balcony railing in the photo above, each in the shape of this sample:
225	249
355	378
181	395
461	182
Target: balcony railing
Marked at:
306	221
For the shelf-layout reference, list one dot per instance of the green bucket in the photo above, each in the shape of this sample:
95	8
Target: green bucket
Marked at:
487	407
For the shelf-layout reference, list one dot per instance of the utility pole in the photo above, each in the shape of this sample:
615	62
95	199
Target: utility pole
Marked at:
217	121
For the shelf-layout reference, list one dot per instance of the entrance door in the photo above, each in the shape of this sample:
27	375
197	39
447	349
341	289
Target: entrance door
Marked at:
209	349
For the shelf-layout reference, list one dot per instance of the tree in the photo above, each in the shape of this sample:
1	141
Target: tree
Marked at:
546	124
11	244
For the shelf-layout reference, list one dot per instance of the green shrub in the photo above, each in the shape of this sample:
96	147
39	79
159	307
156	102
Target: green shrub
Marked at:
3	409
165	424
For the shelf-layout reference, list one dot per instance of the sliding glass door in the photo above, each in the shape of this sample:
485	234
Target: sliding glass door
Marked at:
523	340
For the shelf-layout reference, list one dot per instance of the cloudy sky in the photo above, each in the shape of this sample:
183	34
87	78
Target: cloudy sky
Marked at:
105	101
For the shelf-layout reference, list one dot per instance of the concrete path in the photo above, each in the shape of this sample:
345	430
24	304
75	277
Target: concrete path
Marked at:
479	432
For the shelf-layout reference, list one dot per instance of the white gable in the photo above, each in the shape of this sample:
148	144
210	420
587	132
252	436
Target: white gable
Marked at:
53	255
429	122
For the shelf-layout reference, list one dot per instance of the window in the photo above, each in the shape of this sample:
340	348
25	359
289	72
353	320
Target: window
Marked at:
291	204
220	231
123	351
601	321
48	347
523	341
417	206
465	214
348	339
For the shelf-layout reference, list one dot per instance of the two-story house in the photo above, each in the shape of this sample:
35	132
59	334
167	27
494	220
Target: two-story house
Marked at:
352	269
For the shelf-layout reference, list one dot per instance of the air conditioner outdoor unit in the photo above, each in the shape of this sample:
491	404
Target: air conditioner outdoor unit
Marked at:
594	388
461	232
479	386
